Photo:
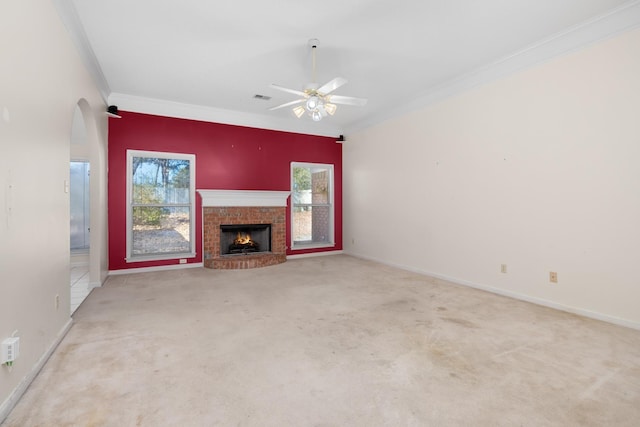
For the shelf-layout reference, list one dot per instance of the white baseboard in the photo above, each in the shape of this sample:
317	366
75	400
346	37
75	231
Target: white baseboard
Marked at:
92	285
17	393
159	268
522	297
314	254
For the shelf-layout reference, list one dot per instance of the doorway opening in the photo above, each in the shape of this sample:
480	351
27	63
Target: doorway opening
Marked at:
79	199
79	212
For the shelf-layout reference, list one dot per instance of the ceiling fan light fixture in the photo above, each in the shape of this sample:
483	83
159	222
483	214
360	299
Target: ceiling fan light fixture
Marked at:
316	116
298	111
313	102
330	108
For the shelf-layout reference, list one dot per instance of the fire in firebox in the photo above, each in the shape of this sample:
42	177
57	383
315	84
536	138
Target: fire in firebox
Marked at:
244	239
243	244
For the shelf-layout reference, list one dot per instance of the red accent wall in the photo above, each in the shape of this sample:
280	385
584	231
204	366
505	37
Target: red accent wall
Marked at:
227	158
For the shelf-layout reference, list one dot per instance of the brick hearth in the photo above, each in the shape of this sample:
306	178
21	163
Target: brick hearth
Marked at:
215	216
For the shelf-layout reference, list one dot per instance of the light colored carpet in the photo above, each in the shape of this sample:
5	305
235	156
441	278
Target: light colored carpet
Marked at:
329	341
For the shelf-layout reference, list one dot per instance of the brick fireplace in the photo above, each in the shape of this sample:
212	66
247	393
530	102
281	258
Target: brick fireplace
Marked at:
228	207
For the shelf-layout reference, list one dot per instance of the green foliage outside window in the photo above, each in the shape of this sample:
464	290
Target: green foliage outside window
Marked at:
147	215
302	179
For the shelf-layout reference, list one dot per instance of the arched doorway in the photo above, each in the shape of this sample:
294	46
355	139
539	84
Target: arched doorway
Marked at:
80	211
88	217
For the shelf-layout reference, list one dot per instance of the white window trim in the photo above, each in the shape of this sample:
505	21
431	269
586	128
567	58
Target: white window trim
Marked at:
192	209
301	246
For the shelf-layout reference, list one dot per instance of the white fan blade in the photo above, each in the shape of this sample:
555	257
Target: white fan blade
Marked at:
347	100
332	85
286	89
287	104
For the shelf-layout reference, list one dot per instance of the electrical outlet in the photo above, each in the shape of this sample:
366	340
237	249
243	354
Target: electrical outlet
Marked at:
553	277
9	350
503	268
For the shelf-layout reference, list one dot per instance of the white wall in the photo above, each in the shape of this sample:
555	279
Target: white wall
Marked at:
41	81
539	171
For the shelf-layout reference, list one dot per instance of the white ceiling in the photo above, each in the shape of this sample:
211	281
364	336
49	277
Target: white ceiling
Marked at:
207	59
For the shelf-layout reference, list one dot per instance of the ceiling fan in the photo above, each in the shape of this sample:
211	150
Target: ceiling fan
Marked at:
317	101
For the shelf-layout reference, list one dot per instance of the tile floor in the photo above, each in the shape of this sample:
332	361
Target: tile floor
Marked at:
79	285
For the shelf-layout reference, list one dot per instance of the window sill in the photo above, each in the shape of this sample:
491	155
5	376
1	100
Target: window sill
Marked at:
158	257
303	246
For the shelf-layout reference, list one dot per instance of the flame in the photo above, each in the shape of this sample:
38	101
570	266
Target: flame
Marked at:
243	239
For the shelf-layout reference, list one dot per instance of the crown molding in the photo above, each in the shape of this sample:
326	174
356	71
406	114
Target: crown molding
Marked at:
139	104
617	21
71	20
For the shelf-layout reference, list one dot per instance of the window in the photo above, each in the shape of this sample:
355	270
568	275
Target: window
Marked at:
160	205
311	205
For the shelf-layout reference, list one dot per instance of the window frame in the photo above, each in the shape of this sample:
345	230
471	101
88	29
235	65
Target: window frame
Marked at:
331	204
130	257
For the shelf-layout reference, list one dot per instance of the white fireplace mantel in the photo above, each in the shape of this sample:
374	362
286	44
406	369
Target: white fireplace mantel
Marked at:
243	198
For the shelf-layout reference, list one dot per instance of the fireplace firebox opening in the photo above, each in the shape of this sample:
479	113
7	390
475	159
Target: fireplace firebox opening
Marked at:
244	239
